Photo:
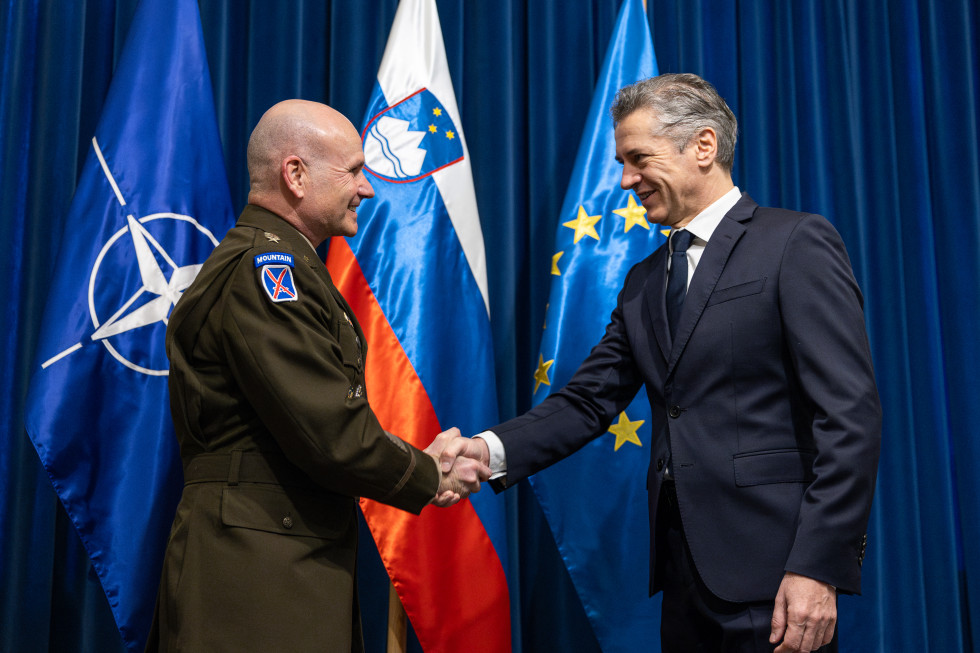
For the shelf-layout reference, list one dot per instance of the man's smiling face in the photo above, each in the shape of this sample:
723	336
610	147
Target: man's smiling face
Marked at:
667	181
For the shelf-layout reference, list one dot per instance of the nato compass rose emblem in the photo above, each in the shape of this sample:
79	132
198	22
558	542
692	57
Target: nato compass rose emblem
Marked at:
411	139
135	281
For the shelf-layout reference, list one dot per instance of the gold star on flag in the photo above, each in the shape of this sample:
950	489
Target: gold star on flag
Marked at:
625	431
554	264
584	225
541	375
433	129
437	111
634	214
449	134
665	232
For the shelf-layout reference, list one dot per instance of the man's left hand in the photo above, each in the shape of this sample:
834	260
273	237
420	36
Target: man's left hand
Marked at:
805	615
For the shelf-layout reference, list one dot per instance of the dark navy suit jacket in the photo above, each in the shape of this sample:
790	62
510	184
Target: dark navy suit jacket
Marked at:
767	396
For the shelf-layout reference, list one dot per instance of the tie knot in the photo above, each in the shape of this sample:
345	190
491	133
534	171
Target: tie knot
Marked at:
681	240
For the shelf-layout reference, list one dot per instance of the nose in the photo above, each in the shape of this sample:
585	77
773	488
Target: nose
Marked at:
630	177
364	188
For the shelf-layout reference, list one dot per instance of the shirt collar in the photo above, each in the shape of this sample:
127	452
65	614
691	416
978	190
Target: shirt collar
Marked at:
705	222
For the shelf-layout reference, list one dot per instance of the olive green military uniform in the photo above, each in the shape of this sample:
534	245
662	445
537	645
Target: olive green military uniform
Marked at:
277	439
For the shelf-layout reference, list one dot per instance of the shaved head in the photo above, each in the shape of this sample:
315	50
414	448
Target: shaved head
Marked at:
305	164
290	127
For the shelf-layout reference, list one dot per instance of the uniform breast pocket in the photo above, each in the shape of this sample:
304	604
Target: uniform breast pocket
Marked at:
292	511
737	291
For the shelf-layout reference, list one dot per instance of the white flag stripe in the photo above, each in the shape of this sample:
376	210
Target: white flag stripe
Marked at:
415	58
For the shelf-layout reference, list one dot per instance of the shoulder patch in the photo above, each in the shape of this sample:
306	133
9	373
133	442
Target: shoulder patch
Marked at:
277	280
267	258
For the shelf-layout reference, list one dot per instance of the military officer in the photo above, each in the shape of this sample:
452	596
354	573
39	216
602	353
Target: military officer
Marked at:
276	433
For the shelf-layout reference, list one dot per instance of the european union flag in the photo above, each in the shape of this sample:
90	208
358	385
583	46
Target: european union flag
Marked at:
151	204
595	501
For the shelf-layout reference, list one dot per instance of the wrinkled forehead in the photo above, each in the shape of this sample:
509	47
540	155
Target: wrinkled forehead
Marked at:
639	129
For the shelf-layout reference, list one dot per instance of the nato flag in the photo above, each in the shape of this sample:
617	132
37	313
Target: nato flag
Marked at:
151	204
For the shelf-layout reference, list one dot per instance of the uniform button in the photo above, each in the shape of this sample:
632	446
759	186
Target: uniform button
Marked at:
675	411
660	464
287	522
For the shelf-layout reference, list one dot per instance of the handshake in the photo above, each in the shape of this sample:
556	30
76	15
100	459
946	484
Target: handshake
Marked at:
463	463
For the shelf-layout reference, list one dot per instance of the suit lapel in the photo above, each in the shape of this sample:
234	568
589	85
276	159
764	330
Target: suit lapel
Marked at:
709	270
656	308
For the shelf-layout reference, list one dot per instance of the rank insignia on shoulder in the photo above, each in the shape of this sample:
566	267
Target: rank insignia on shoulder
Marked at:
272	237
277	280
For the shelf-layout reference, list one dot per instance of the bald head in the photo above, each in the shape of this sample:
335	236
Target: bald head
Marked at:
292	127
305	164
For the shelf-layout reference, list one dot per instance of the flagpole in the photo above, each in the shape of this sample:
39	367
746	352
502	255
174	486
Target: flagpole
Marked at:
397	622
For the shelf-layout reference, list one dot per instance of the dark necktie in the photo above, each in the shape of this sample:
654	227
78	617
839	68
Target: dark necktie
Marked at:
677	277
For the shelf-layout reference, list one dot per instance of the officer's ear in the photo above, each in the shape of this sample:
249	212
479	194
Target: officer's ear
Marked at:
294	175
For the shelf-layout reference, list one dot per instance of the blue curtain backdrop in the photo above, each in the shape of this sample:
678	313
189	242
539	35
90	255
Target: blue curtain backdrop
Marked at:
863	110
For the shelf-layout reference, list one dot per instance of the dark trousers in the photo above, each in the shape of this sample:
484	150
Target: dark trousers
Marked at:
693	619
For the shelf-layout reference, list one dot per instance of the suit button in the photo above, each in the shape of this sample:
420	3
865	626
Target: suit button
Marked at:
660	464
287	522
675	411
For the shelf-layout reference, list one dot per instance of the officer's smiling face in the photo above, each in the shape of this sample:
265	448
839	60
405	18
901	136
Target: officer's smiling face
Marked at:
338	183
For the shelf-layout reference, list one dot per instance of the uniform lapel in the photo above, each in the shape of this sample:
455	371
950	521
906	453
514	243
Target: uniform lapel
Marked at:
709	270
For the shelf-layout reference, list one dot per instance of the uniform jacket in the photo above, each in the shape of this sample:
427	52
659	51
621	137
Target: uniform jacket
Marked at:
277	440
767	397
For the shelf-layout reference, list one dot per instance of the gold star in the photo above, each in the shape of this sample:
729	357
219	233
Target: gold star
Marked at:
433	129
625	431
541	375
665	232
634	214
449	134
584	225
554	264
437	111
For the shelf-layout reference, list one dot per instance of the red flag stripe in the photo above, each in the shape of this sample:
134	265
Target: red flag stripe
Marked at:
441	562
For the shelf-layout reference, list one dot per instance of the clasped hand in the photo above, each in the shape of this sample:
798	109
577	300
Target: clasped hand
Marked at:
461	469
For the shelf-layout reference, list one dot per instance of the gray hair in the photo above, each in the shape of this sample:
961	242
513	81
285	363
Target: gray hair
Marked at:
683	104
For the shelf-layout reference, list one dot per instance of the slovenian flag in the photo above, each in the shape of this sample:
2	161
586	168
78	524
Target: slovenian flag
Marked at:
415	275
151	205
602	232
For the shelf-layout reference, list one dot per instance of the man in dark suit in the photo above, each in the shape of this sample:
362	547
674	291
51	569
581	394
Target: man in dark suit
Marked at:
747	331
271	413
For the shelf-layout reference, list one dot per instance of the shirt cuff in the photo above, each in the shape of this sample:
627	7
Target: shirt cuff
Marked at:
498	459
